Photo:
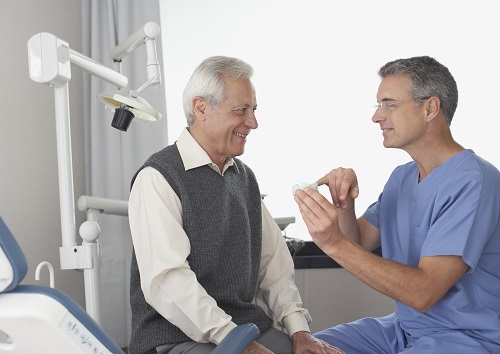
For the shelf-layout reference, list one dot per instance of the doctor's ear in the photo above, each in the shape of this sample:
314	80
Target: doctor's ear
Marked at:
433	105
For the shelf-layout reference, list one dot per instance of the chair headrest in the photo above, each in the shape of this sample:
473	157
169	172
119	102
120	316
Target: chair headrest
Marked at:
13	264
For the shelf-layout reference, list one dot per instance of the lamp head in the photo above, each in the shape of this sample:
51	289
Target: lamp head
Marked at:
122	118
127	108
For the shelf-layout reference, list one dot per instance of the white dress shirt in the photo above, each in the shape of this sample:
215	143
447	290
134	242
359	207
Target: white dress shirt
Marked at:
168	283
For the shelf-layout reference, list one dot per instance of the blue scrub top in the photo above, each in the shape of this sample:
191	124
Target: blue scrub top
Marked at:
455	210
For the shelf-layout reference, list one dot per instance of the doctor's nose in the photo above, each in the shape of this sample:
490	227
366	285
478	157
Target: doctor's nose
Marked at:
378	115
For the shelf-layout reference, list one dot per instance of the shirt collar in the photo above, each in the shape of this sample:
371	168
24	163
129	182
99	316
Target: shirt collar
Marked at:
193	155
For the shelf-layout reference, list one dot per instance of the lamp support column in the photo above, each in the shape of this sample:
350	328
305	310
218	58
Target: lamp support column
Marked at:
65	167
88	255
90	231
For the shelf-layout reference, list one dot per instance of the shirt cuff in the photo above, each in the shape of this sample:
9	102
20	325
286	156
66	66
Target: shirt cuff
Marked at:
296	322
217	338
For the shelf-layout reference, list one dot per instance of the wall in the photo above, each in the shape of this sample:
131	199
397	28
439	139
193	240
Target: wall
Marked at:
29	194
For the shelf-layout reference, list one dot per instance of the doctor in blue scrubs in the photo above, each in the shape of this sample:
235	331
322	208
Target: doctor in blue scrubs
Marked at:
437	221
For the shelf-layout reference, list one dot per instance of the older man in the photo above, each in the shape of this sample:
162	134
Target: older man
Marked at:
205	246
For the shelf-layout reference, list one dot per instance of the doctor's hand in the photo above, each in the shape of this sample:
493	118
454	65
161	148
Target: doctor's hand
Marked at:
306	343
343	185
256	348
320	217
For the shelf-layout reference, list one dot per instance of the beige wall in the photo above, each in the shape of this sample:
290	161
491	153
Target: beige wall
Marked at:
29	194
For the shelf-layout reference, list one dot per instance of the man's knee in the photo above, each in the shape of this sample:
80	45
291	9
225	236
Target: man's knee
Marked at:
276	341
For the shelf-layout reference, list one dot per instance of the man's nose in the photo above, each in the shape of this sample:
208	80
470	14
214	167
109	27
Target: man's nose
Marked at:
251	121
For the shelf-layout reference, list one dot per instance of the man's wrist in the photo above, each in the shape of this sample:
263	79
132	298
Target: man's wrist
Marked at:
296	322
300	336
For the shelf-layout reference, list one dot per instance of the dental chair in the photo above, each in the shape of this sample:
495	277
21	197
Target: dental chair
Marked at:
39	319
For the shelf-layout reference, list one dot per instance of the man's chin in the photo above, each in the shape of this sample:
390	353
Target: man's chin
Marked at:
239	153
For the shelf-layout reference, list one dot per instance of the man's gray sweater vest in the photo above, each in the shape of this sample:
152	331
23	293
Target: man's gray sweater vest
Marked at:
222	217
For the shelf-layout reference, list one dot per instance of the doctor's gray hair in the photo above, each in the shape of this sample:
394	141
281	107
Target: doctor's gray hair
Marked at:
428	78
206	81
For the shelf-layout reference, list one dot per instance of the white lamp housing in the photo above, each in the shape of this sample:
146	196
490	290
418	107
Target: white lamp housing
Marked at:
49	59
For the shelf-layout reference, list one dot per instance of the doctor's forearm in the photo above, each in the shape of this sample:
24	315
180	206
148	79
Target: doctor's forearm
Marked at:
418	288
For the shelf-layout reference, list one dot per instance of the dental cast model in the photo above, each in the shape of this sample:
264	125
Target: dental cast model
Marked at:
303	186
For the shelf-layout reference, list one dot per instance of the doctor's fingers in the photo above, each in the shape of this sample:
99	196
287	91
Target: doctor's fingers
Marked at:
341	182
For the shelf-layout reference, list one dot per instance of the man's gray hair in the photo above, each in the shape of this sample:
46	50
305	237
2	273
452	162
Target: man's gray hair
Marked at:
206	81
428	78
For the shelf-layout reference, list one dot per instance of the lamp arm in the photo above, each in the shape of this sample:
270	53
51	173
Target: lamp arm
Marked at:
145	35
150	82
149	31
153	69
152	64
50	57
103	205
97	69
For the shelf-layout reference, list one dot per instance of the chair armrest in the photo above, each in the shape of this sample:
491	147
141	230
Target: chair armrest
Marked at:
238	339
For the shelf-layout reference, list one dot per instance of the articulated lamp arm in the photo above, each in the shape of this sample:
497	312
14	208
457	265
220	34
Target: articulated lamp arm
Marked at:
145	35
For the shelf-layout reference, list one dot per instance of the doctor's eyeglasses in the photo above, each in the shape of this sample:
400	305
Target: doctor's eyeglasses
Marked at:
391	105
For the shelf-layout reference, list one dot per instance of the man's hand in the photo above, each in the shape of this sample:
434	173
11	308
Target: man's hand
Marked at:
256	348
320	217
343	185
306	343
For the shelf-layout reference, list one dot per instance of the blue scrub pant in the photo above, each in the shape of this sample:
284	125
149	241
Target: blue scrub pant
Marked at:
384	335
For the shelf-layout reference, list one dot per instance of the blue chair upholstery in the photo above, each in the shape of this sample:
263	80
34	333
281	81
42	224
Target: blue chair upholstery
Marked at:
38	319
238	339
13	265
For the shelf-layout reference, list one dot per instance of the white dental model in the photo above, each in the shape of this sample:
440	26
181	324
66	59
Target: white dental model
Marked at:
303	186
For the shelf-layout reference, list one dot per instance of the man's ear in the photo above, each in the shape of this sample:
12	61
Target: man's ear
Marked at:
199	107
432	107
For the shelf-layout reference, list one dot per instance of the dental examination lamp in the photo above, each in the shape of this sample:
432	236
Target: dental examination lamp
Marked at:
133	106
50	60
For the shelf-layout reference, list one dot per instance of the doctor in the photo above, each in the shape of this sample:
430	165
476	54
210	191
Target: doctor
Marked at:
204	243
437	221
